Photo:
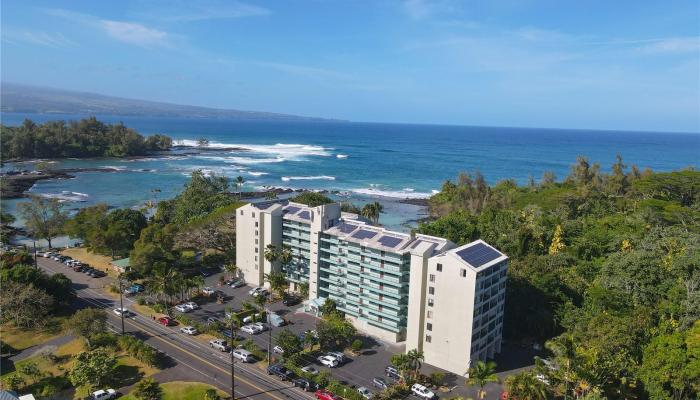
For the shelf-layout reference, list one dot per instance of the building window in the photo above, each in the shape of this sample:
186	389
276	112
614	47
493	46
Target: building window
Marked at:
379	318
463	273
431	290
256	224
253	215
428	338
432	278
430	313
256	249
256	258
256	240
429	326
241	212
431	302
256	233
439	267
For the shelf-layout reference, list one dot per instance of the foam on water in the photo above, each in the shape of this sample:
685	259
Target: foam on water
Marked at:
308	178
396	194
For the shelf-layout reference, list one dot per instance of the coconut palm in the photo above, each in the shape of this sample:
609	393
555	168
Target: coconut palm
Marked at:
239	184
482	374
416	359
402	362
278	282
371	211
285	254
231	268
271	253
525	386
161	282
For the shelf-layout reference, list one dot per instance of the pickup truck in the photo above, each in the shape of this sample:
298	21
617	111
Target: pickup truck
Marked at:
280	371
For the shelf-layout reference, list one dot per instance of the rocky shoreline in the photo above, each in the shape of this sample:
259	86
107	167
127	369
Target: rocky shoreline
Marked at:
15	185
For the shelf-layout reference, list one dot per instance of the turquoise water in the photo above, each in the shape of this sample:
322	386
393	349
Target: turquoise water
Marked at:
361	159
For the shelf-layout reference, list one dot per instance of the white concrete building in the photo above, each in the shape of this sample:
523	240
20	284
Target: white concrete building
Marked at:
445	301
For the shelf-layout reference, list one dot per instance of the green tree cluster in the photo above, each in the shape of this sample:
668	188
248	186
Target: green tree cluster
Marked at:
106	232
311	199
604	268
79	139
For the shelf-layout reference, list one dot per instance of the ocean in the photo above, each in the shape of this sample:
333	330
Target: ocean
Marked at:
363	160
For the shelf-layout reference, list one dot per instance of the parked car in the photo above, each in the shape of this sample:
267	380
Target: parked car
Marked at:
183	308
205	273
290	300
104	394
213	320
257	291
422	391
364	392
166	321
338	356
243	355
392	372
192	305
328	361
122	311
208	291
190	330
226	332
251	329
305	385
278	350
219	344
261	325
323	394
309	369
379	383
78	268
236	283
280	371
251	318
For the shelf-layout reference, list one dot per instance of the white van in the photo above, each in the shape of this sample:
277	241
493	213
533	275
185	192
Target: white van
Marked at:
244	355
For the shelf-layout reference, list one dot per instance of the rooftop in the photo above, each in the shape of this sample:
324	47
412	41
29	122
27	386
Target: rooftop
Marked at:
478	255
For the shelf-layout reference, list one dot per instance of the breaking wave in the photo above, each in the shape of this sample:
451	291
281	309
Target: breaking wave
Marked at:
396	194
308	178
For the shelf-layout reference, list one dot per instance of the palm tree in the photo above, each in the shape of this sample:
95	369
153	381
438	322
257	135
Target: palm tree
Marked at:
285	254
481	374
278	282
239	184
371	211
304	289
402	362
195	282
416	359
270	195
565	358
525	386
271	253
231	268
161	282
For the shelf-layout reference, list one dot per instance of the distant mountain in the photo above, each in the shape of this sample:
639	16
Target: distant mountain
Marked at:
20	98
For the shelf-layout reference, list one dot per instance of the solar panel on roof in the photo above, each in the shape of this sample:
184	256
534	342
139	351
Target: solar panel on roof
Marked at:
346	228
478	254
304	215
389	241
364	234
292	209
416	243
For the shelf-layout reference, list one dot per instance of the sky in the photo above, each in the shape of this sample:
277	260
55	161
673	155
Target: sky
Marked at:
627	65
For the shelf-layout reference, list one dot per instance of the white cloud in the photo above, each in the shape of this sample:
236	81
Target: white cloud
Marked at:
673	45
41	38
134	33
203	10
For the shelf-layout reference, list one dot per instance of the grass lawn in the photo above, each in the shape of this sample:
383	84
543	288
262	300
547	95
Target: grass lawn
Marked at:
21	338
95	260
183	391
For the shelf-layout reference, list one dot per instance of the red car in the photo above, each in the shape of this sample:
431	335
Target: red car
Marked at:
323	394
166	321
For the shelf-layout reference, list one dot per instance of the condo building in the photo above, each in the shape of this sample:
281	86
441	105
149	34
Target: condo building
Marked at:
444	300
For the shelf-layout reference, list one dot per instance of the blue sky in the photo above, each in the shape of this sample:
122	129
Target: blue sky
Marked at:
581	64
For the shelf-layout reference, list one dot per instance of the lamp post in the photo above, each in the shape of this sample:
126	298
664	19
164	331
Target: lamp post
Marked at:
121	301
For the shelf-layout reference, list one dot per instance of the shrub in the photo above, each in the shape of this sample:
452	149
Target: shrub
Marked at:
323	378
14	382
213	260
437	378
140	300
356	345
148	389
140	350
114	288
105	339
159	308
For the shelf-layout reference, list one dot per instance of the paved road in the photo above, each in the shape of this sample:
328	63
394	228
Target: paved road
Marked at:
204	363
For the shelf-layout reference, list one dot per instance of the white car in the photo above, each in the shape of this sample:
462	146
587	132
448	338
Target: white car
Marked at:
262	326
328	361
422	391
208	291
236	283
338	356
310	370
190	330
183	308
251	329
364	392
278	350
219	344
192	305
257	291
243	355
122	311
104	394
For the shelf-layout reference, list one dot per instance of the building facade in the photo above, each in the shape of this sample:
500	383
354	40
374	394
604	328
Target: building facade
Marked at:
444	300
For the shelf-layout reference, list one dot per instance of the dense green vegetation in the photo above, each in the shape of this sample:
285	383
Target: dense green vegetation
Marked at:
105	232
80	139
603	267
311	199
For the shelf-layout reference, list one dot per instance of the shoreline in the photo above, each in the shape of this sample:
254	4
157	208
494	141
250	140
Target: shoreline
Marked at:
15	186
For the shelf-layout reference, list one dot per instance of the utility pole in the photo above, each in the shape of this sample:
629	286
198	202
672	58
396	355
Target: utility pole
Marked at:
36	266
121	301
233	373
269	337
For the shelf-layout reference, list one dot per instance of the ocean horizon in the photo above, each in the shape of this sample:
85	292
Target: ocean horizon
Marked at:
361	160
